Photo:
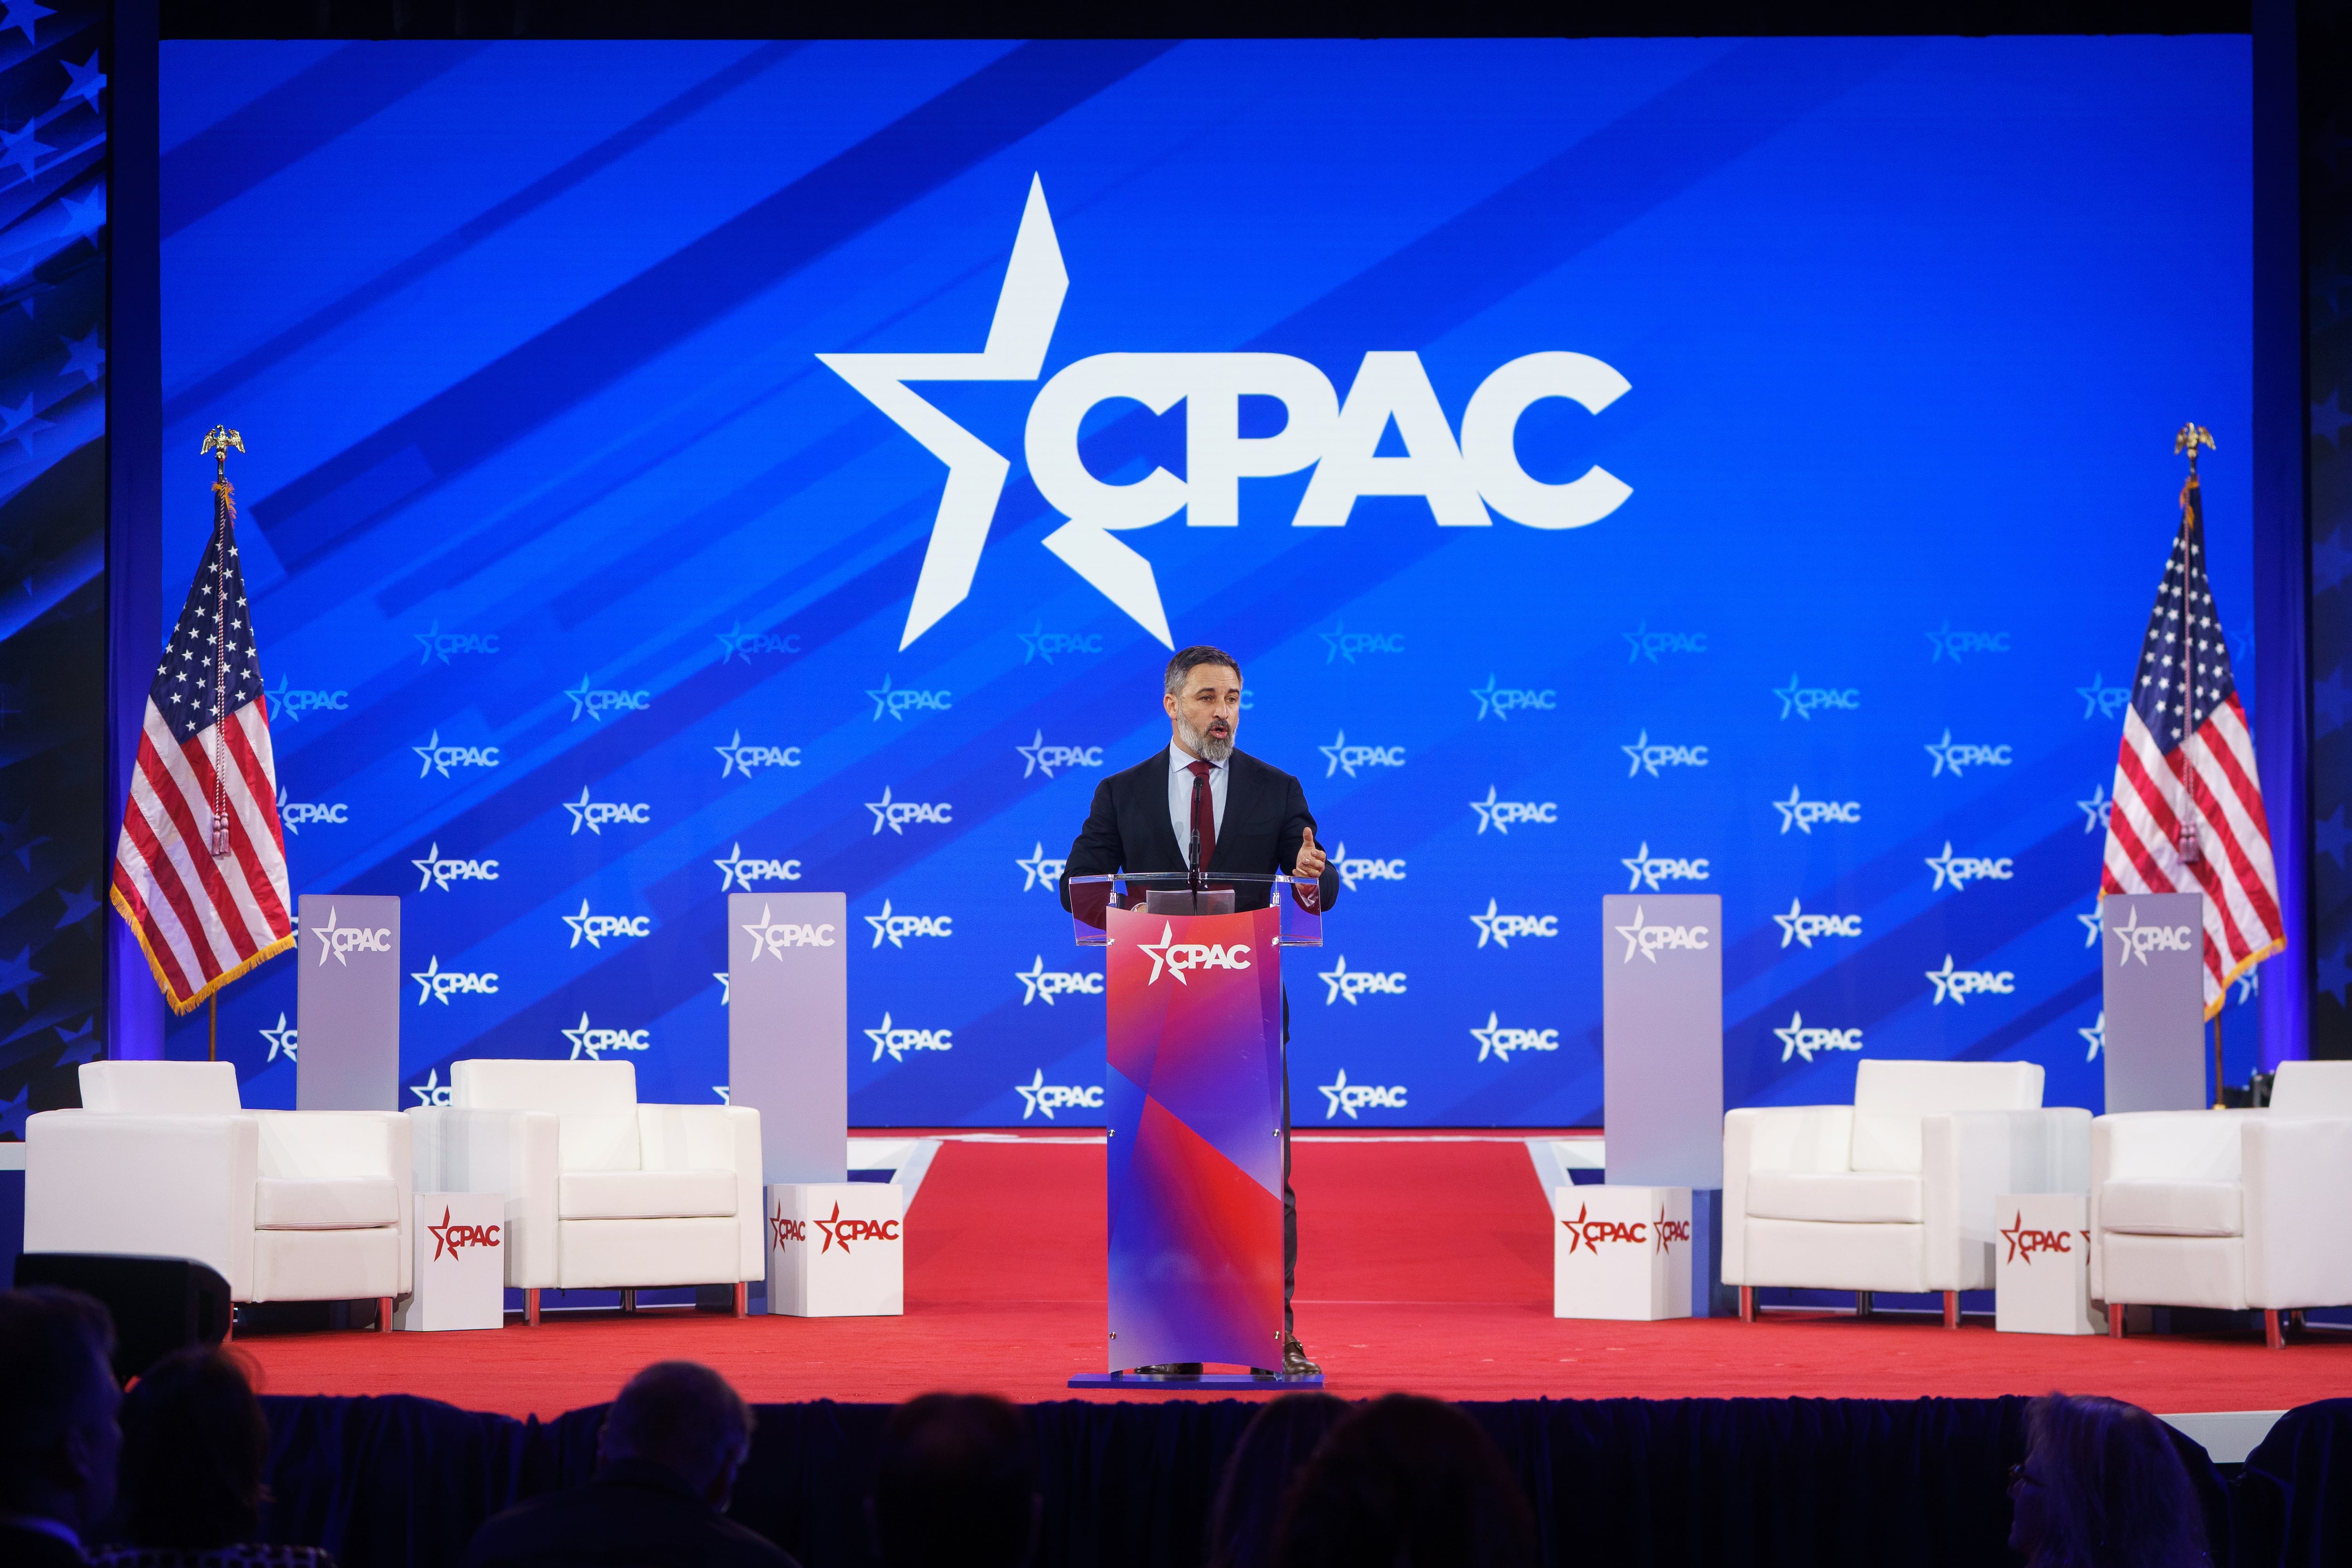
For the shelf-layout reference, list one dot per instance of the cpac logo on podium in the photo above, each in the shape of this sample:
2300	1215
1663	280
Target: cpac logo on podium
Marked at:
435	983
1801	814
1044	1099
1649	941
1349	983
1499	815
1957	871
770	935
436	872
1352	871
592	1043
1649	869
1043	984
1959	985
1337	438
448	1238
2135	942
1496	1041
341	939
1351	1097
1177	957
592	815
739	870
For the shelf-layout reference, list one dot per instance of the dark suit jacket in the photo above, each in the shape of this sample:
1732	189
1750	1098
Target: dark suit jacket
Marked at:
1129	829
635	1514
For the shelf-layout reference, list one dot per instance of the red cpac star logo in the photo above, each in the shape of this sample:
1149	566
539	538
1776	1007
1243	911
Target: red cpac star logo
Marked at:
2024	1243
1591	1233
447	1238
845	1231
782	1230
1670	1231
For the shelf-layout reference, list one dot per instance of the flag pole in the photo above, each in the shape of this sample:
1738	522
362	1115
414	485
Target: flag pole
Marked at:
212	1030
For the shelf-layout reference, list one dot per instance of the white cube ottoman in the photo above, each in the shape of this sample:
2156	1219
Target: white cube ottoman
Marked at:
2042	1265
1621	1252
836	1249
461	1264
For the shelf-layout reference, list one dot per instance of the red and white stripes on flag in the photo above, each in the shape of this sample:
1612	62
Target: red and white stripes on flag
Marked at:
2187	812
203	918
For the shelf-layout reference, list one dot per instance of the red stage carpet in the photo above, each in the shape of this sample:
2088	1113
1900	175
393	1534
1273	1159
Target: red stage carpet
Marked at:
1422	1266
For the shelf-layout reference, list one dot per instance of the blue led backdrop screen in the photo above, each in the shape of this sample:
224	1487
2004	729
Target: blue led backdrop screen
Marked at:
1721	466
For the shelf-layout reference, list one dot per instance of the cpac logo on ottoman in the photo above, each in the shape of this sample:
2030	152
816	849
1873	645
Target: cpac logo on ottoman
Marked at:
448	1238
436	872
1650	941
1945	643
593	929
1642	643
440	759
739	870
899	1041
748	759
1659	1235
2024	1244
1800	928
839	1232
1044	1098
290	702
594	704
741	644
2135	942
902	700
1502	701
435	983
1959	985
1040	983
896	928
1177	957
1360	870
1959	757
1499	815
1797	1040
1345	644
1805	700
1354	1097
1039	758
1039	870
296	814
771	935
1040	643
340	940
1501	929
1339	440
1345	758
896	814
592	815
1801	814
1498	1042
1353	984
1957	871
1648	758
592	1043
1649	871
782	1229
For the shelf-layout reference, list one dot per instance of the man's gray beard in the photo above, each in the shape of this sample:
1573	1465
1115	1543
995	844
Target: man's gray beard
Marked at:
1202	745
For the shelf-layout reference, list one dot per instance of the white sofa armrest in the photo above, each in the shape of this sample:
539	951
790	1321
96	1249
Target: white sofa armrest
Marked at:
159	1187
708	1138
513	1153
2297	1169
1969	1158
1817	1137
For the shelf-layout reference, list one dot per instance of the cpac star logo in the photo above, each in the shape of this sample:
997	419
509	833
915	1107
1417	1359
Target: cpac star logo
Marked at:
770	935
1499	815
1042	644
1642	643
1345	644
1650	869
1667	1232
1345	758
1177	957
1801	814
894	815
1348	984
447	1238
2134	942
296	814
1959	758
2024	1243
1802	700
899	1041
741	644
1040	983
2091	927
592	1043
2096	809
899	702
1649	759
1649	941
1351	1097
1800	928
1042	1099
723	978
292	703
1041	758
1959	985
432	1091
840	1232
1957	871
895	928
1339	440
438	644
748	759
1037	871
2095	1037
440	759
1498	1042
783	1230
2101	700
592	815
340	940
1797	1040
433	871
593	929
1588	1234
1352	871
1502	701
1945	643
739	870
595	704
435	982
1500	929
283	1040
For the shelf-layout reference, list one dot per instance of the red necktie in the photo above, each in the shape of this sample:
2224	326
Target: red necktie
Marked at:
1204	812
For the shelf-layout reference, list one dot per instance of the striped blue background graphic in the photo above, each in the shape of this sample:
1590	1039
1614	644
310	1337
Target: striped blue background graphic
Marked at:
585	586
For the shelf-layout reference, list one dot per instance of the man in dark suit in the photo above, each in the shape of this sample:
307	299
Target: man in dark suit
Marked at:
58	1437
1248	819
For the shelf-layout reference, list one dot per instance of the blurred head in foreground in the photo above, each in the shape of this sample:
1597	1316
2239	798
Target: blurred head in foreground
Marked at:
2102	1486
956	1483
1406	1482
685	1417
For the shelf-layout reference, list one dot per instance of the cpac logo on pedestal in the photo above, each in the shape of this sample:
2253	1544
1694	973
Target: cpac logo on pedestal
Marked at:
448	1238
340	940
1351	1097
1800	928
1176	957
1650	869
1502	701
593	929
1959	985
1642	643
839	1232
1500	929
436	872
1957	871
740	758
440	759
741	870
1805	700
899	1041
587	704
592	815
898	701
1497	1041
291	702
894	815
437	983
1499	815
1659	1235
1338	440
2024	1243
2134	942
1040	872
1801	813
1039	758
895	928
1039	643
1957	757
1043	1099
1348	984
296	814
736	643
1345	644
1343	758
783	1230
592	1043
1648	758
1040	983
1649	941
1352	871
1945	643
438	644
1797	1040
770	935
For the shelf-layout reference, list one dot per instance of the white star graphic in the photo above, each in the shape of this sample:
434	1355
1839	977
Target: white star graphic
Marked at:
1789	928
1336	979
424	980
881	924
1335	751
730	869
1033	978
1158	951
2090	927
722	976
1788	696
2096	1036
578	810
1633	935
1486	696
760	930
1942	866
2125	951
1031	751
1032	1096
2095	810
1336	1091
1793	1034
1942	752
1037	869
579	696
283	1040
1486	810
881	1038
881	810
1489	1038
1943	978
1487	927
425	750
579	1038
579	924
1788	810
326	935
433	1091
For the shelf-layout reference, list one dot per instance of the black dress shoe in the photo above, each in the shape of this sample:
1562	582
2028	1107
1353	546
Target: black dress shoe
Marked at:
1170	1369
1294	1359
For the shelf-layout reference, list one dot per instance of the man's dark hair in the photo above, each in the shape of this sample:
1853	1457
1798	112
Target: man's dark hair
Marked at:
2114	1491
1188	659
682	1416
194	1445
57	1349
1411	1481
956	1483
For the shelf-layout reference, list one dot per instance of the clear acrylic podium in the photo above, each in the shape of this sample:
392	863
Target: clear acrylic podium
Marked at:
1193	1100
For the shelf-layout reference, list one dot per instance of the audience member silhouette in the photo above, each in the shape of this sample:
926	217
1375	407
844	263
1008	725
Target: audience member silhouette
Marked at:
956	1484
59	1440
194	1447
1406	1482
1258	1476
665	1467
2102	1486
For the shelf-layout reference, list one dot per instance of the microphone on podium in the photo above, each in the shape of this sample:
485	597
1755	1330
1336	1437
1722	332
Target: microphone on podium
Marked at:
1194	865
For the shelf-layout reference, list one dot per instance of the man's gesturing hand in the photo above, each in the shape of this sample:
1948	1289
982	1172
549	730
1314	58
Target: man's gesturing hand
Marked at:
1310	858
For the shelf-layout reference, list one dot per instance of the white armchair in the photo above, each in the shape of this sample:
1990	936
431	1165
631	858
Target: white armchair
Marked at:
1895	1191
601	1192
2230	1209
162	1161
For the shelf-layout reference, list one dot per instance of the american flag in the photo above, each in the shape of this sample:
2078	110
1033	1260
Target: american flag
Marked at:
204	756
2188	814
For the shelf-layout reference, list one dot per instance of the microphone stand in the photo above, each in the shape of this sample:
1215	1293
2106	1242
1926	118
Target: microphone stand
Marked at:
1195	870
